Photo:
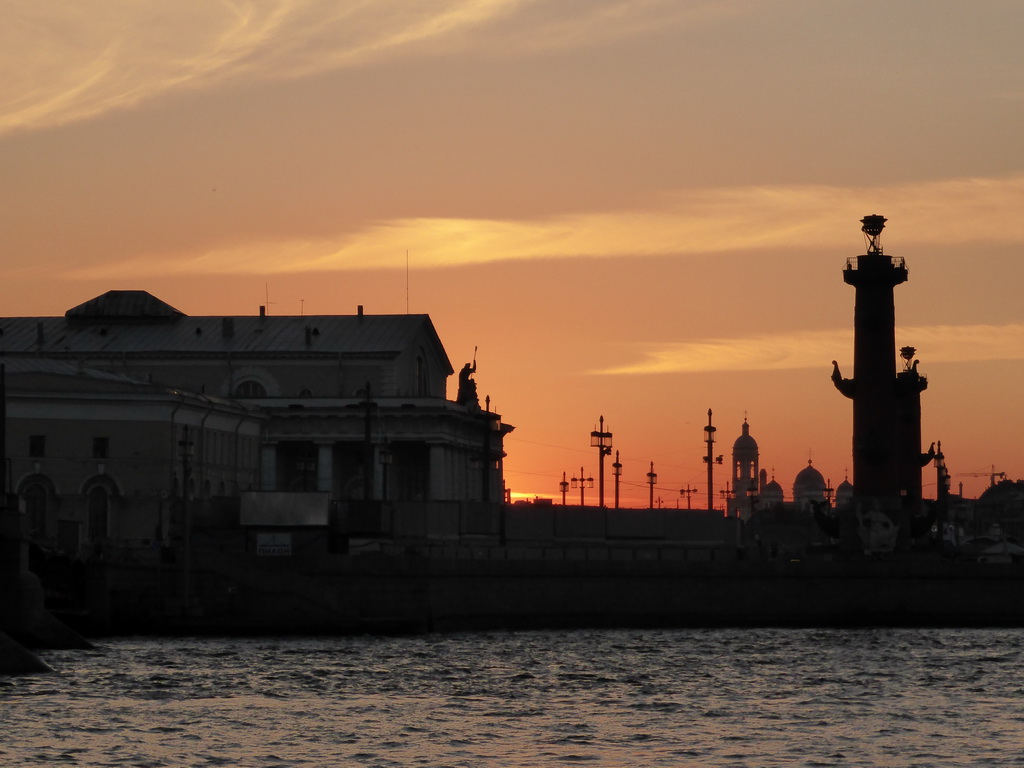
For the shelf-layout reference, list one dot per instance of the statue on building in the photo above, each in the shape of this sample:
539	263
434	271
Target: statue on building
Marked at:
467	386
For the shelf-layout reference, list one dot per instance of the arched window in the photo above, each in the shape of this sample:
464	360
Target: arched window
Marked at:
250	388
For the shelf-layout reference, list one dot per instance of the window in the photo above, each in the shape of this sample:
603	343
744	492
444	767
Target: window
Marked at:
100	447
250	388
421	377
37	446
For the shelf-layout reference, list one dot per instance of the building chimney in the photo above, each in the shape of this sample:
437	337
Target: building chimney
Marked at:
359	311
263	310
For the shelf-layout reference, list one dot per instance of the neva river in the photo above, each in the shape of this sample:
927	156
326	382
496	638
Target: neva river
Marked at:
759	697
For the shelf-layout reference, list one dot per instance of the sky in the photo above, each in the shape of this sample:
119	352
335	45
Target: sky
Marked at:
635	209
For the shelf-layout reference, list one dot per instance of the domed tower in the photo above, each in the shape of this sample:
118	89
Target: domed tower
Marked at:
844	494
771	493
809	486
745	472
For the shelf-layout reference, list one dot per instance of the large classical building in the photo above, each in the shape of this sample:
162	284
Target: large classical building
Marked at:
125	404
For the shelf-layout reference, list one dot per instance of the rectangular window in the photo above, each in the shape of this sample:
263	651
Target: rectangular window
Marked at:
100	447
37	446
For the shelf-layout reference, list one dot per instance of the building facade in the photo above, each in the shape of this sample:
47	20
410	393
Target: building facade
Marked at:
125	395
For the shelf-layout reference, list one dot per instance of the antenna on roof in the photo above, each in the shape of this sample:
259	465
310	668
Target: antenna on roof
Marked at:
266	290
407	281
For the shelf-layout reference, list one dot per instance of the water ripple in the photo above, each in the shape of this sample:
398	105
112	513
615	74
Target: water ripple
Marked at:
755	697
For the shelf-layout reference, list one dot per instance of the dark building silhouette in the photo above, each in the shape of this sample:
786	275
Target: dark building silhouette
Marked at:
887	457
124	407
746	474
809	488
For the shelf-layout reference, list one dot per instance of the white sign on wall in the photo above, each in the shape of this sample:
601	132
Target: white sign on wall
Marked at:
273	544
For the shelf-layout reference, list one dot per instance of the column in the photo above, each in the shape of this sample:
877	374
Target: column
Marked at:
439	485
268	467
324	466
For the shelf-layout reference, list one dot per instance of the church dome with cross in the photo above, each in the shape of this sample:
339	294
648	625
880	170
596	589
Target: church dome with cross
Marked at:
809	486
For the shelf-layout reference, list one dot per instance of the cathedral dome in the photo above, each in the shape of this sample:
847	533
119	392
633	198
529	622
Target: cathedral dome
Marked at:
772	493
745	443
844	493
808	486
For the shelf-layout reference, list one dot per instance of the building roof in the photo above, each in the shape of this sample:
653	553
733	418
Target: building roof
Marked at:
745	443
1003	492
124	305
772	491
127	322
808	481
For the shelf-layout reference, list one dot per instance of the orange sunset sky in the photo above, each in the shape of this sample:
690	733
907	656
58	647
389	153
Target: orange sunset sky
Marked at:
636	209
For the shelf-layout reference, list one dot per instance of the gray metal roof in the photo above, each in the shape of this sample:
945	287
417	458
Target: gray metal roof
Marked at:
94	331
41	365
135	305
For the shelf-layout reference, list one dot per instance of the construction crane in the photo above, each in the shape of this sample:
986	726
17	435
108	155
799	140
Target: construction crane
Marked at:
992	475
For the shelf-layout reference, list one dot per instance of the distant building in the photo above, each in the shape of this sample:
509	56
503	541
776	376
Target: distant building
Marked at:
771	492
127	398
745	475
777	527
999	512
809	487
844	494
752	490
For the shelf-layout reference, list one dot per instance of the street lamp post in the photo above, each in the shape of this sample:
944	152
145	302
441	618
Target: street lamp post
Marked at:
652	478
617	471
582	482
603	442
563	487
687	492
726	495
711	460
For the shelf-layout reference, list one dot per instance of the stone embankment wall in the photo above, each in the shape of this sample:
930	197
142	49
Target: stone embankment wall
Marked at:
409	592
449	566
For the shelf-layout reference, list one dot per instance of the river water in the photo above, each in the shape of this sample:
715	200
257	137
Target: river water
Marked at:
722	697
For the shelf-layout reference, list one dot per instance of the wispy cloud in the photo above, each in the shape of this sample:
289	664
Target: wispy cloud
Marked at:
697	221
816	349
64	62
